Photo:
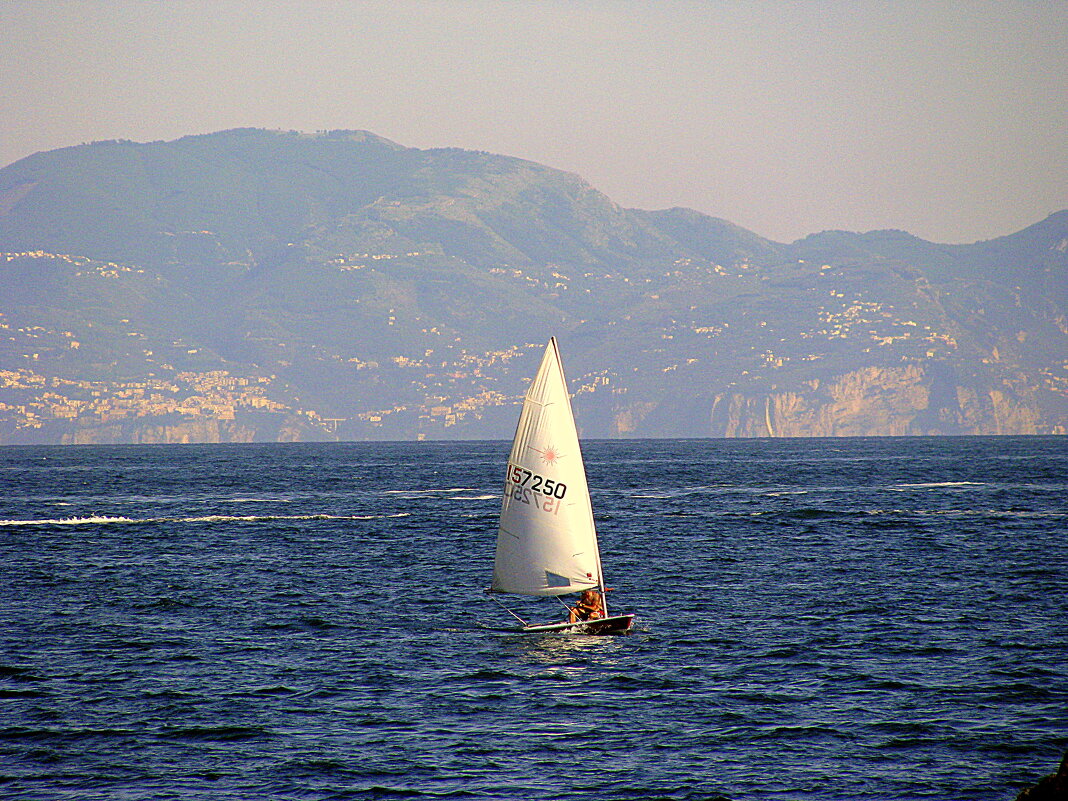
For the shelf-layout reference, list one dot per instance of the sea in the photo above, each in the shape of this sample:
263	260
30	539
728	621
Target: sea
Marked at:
816	619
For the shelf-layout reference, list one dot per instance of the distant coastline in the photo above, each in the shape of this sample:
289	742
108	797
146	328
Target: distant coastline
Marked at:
185	291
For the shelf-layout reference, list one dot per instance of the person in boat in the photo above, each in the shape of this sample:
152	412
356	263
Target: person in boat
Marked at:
589	607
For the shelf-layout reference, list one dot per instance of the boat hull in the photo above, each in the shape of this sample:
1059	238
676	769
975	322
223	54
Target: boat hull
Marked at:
617	624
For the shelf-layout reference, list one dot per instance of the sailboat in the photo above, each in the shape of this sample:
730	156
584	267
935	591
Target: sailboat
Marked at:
547	542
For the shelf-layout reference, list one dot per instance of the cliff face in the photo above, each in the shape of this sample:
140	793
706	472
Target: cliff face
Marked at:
901	401
854	404
180	433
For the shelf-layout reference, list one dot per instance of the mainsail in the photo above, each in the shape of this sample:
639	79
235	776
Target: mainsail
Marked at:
546	544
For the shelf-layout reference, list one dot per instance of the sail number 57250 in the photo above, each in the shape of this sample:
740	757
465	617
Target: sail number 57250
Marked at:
546	486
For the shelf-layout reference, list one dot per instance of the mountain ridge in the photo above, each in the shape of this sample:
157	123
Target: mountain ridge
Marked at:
400	292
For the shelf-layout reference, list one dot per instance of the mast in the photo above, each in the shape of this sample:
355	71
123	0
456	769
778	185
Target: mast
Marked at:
596	544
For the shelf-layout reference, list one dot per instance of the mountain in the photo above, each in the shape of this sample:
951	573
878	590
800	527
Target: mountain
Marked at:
251	285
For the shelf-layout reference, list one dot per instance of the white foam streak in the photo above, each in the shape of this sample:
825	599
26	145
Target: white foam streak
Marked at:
70	521
101	520
416	493
940	484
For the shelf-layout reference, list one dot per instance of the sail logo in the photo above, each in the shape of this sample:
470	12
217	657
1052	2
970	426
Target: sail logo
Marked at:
549	455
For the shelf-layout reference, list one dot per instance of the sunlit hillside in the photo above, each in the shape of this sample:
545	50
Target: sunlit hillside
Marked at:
251	285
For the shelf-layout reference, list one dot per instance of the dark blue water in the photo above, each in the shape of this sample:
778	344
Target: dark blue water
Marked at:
833	619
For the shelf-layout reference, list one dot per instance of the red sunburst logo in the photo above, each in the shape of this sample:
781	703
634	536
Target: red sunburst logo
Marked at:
549	455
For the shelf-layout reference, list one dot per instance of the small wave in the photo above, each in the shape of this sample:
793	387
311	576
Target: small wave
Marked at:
216	733
418	492
164	603
22	693
938	485
483	676
109	519
70	521
811	513
258	518
277	690
674	494
16	673
258	500
50	735
475	497
993	514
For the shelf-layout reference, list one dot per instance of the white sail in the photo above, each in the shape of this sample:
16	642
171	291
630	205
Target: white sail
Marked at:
546	544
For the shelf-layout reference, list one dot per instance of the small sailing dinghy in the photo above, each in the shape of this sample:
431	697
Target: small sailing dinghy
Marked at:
547	543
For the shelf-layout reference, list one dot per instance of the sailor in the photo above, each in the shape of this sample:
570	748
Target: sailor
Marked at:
589	607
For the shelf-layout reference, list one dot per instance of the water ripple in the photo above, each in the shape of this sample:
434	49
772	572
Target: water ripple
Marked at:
831	619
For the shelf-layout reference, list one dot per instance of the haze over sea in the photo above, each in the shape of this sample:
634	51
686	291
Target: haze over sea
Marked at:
846	618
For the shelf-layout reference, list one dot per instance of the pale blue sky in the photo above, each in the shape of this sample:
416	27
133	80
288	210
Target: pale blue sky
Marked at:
946	119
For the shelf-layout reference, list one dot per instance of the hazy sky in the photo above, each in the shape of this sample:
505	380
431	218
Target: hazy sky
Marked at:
946	119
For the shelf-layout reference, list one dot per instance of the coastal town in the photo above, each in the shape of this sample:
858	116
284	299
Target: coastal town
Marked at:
32	401
433	382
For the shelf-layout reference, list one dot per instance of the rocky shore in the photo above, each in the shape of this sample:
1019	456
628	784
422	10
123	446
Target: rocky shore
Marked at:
1050	788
